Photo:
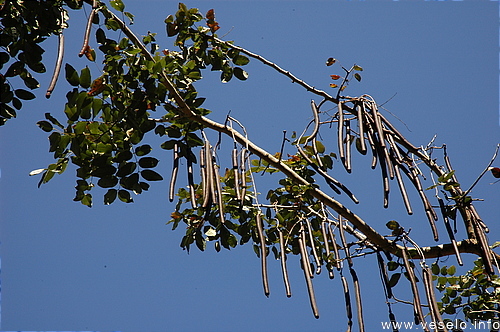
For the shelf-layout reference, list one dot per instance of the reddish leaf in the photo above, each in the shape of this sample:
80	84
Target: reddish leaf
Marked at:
335	77
210	15
330	61
97	87
495	171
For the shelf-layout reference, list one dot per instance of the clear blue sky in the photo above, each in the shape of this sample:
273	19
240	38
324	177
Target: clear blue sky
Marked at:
119	267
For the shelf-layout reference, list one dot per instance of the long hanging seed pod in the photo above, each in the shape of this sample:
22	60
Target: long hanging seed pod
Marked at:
324	233
362	145
284	270
429	210
85	46
449	230
383	165
306	267
483	243
402	189
174	173
236	171
208	176
431	298
204	180
381	146
416	298
57	68
263	253
347	162
313	247
243	177
192	192
344	242
398	159
348	306
384	276
306	257
369	135
381	140
218	191
359	305
338	262
340	132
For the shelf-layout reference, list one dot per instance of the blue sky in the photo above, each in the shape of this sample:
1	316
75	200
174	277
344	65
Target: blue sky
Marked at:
119	267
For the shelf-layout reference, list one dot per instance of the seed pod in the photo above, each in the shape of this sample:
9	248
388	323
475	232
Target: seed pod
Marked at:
307	274
361	109
236	172
192	191
243	177
348	306
174	173
324	233
340	132
347	141
416	297
313	247
263	253
283	264
359	305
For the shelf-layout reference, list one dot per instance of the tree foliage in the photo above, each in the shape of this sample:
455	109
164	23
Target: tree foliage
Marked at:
144	89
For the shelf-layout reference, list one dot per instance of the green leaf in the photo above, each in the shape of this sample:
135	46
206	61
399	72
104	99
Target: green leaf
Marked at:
107	182
451	270
148	162
435	269
143	150
85	79
112	24
226	75
123	156
150	175
87	200
15	69
124	196
45	125
126	169
240	74
110	196
357	76
16	103
392	225
53	120
240	60
24	94
72	75
394	279
391	266
356	67
169	145
320	147
100	36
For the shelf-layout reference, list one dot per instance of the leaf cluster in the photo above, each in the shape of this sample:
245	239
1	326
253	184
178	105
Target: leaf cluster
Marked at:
24	25
476	293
